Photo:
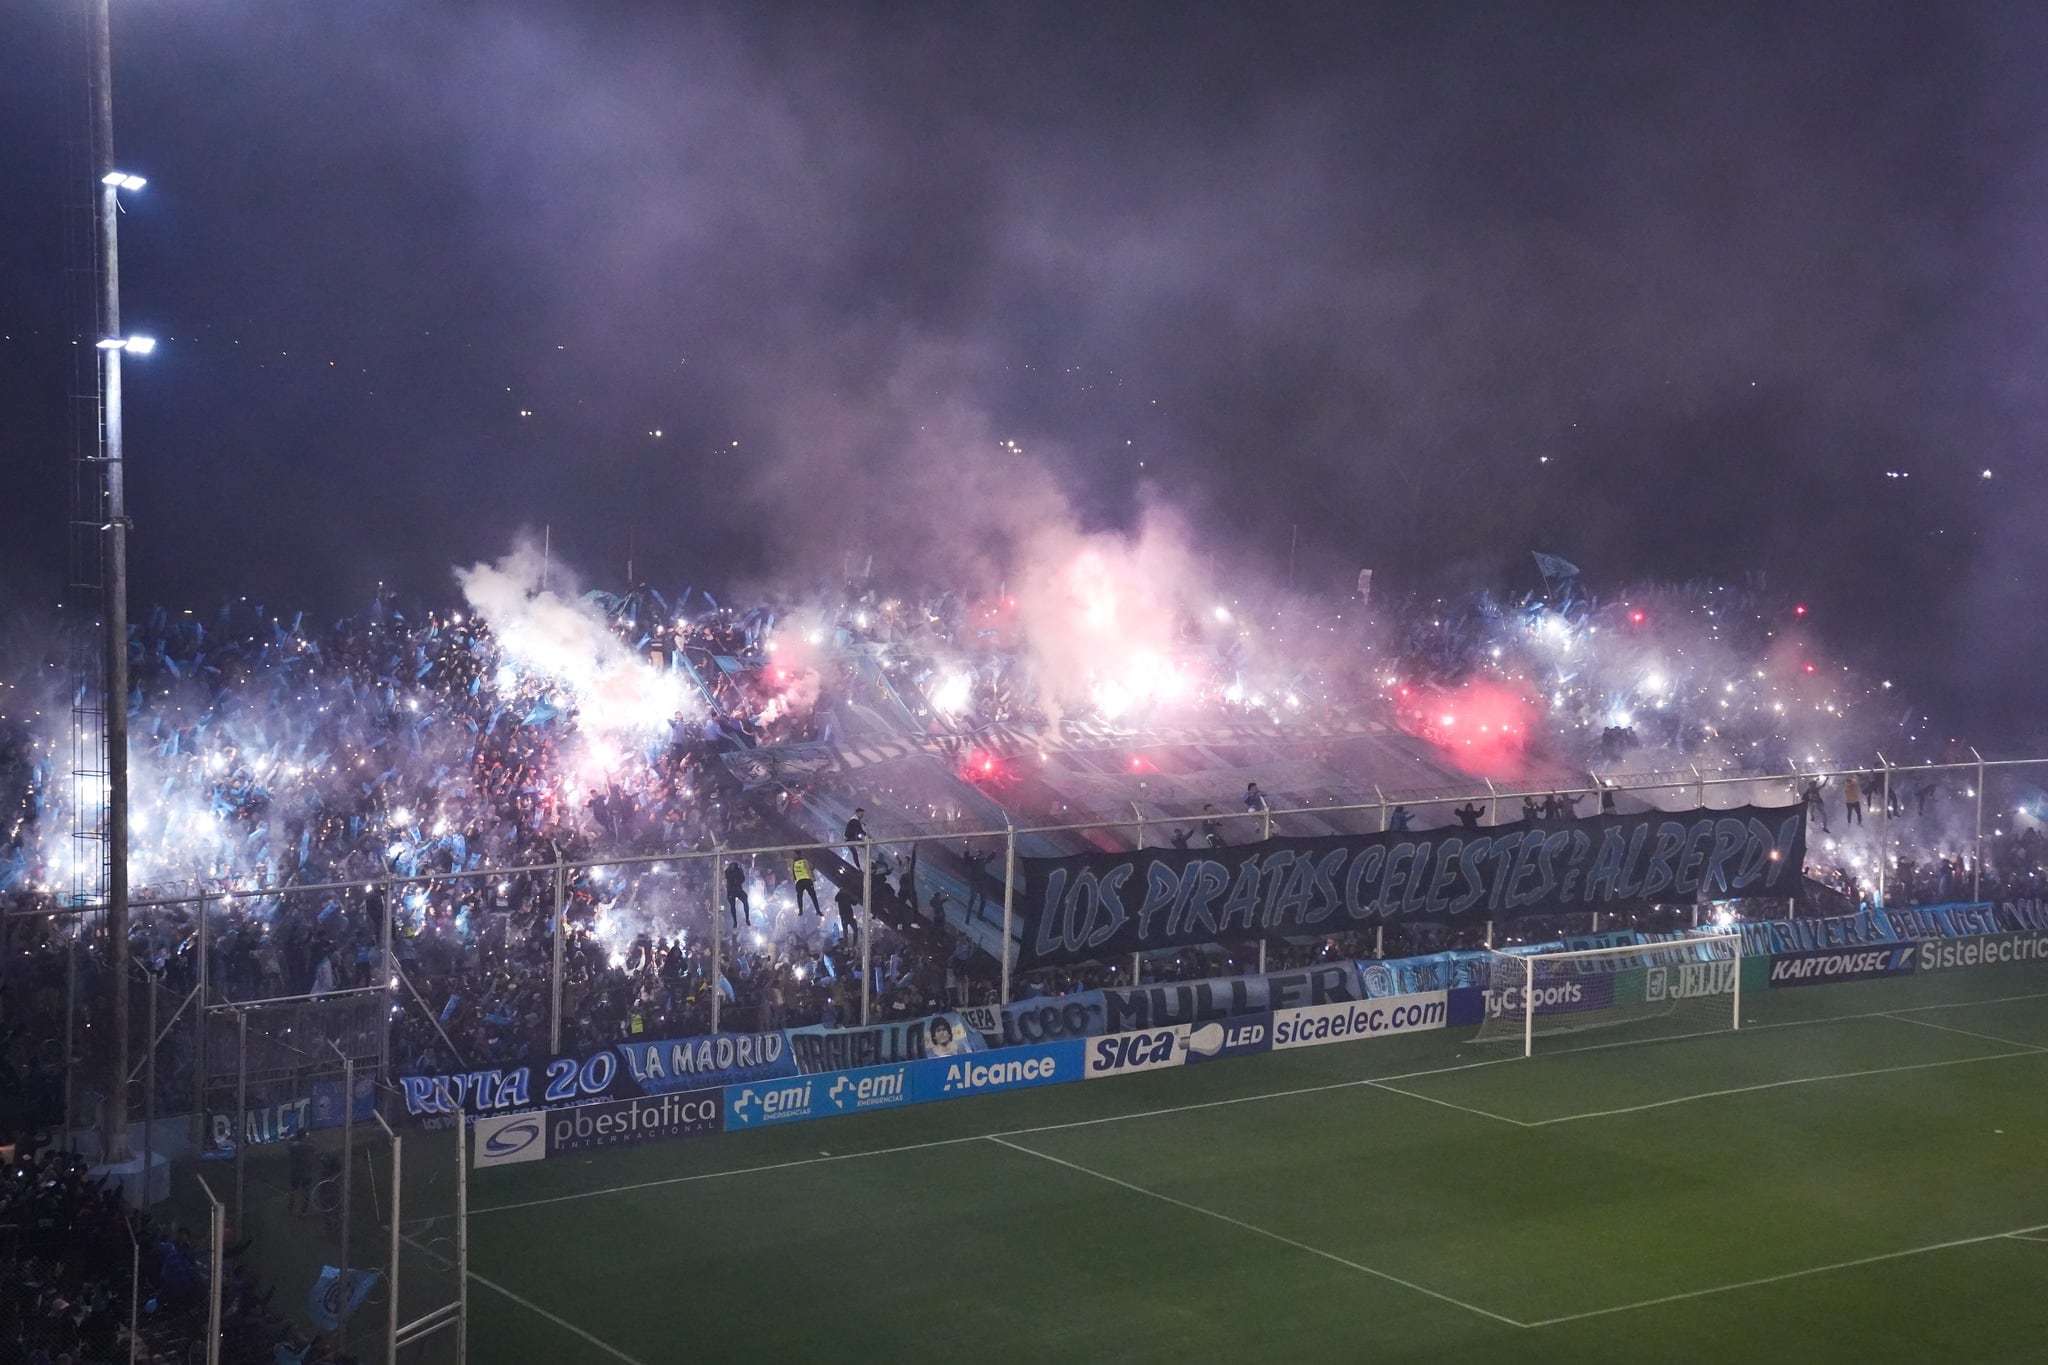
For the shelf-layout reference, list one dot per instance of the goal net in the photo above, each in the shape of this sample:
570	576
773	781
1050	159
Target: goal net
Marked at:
1676	988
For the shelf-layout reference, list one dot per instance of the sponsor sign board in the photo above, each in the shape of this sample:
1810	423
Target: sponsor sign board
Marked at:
1983	950
1842	964
1343	1022
507	1139
876	1087
985	1073
1123	1054
760	1103
1238	1037
1589	992
625	1123
1689	980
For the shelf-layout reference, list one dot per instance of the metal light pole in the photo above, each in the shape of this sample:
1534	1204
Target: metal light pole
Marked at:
114	548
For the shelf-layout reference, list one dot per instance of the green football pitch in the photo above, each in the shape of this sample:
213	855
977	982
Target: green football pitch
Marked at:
1857	1175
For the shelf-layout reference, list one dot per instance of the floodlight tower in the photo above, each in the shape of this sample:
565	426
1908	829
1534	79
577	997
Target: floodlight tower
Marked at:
113	531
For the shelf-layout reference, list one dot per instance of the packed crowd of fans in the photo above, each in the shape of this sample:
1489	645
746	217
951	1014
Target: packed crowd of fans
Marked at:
289	773
301	766
81	1265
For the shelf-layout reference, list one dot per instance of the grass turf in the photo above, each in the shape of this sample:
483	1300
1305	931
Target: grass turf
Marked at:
1857	1175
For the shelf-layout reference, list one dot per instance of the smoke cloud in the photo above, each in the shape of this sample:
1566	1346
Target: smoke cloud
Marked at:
543	631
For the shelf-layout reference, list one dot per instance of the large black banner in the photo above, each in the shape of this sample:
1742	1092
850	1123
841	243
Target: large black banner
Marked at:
1099	905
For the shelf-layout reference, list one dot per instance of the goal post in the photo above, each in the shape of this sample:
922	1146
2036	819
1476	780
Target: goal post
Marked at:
1674	988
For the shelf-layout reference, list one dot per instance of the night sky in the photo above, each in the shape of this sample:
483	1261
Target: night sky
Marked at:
1665	289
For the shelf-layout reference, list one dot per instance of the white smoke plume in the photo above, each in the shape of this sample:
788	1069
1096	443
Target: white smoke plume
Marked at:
547	633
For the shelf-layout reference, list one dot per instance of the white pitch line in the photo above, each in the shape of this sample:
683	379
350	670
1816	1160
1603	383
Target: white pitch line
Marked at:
1779	1085
1968	1033
1788	1275
1375	1081
1956	1004
1461	1108
984	1137
1262	1232
560	1322
720	1175
1248	1099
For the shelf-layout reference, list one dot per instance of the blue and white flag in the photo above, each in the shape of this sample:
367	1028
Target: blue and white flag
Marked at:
324	1303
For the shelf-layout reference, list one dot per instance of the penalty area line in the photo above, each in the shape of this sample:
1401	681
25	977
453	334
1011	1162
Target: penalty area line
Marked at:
1878	1259
1267	1233
1461	1108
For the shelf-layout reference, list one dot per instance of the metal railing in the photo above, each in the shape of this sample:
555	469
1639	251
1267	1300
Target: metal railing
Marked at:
1500	804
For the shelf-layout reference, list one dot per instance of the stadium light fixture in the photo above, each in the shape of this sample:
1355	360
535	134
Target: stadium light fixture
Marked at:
121	180
133	345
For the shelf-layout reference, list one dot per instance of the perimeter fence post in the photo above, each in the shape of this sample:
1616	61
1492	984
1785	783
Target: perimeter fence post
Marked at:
461	1236
70	1023
1699	790
1137	966
149	1095
391	1287
1977	871
1009	890
241	1119
1382	796
1884	829
217	1225
1262	957
199	1050
561	883
348	1163
717	937
134	1290
387	981
1492	803
867	927
1379	941
1139	812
